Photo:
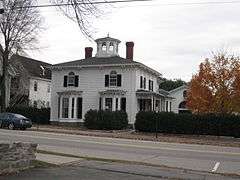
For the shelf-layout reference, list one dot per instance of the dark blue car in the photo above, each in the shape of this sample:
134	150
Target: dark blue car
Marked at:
14	121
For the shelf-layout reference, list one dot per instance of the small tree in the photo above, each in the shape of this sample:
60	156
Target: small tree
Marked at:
169	85
19	26
216	87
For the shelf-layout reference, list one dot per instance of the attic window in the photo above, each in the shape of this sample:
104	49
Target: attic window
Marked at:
111	46
104	46
71	79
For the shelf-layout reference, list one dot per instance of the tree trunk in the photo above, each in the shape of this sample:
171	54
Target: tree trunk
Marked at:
3	83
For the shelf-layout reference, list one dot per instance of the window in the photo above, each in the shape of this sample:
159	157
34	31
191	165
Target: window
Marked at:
104	46
48	88
65	106
113	78
108	104
150	85
111	46
71	79
35	85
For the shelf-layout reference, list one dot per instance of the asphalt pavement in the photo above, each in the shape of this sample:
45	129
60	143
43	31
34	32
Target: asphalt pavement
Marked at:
196	157
96	170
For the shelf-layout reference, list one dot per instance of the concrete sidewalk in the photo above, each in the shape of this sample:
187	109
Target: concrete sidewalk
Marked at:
55	159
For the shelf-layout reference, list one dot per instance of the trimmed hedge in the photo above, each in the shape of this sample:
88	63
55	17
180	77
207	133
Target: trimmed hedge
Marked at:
38	116
207	124
106	120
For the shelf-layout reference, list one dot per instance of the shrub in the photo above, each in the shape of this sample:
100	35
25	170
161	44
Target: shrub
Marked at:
207	124
39	116
106	120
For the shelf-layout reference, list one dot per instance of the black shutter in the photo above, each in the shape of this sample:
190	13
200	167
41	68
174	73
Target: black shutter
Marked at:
152	85
106	80
76	81
141	82
65	81
79	108
123	104
119	80
144	83
149	85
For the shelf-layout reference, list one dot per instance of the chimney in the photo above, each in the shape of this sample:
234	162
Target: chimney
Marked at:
129	50
88	52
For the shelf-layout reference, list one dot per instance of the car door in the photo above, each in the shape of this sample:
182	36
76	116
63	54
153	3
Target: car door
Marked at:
3	119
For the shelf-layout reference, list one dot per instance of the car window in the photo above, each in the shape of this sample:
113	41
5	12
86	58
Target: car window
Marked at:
19	116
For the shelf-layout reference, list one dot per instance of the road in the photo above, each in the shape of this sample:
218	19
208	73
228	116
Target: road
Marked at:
196	157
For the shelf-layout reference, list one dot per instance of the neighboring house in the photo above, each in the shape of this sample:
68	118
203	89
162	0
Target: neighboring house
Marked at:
106	81
32	85
179	102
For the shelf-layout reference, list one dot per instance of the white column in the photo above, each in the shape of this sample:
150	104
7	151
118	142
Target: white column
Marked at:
103	103
75	107
60	110
114	103
69	107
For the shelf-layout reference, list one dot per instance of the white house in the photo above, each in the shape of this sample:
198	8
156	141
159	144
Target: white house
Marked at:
32	84
106	81
179	99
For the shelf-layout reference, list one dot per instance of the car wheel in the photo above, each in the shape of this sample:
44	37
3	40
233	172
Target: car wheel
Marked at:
0	124
23	128
11	126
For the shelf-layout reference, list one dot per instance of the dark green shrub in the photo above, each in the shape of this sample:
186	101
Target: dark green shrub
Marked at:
207	124
106	120
38	116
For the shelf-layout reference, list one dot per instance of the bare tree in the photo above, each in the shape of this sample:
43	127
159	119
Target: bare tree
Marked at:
82	12
19	26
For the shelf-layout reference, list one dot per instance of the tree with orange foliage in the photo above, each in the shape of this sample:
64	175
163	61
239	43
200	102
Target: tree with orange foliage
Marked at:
216	87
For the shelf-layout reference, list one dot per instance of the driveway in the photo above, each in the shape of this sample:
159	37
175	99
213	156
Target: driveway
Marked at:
196	157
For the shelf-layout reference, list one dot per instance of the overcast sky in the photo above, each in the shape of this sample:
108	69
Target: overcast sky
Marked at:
171	39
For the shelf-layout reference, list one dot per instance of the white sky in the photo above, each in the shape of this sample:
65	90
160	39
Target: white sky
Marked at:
171	39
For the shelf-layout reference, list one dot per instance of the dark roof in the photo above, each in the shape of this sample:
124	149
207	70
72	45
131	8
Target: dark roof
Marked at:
107	39
33	66
98	61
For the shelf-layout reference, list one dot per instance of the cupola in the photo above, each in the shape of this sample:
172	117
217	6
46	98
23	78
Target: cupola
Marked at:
107	47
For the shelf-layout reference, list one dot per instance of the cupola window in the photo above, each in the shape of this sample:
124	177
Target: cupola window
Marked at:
111	46
104	46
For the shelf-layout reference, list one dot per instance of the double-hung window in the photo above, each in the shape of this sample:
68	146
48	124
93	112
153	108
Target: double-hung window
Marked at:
113	79
65	107
71	80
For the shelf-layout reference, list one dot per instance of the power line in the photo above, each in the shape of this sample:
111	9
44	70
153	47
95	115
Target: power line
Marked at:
126	1
130	1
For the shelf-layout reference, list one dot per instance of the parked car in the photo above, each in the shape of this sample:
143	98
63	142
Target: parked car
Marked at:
14	121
